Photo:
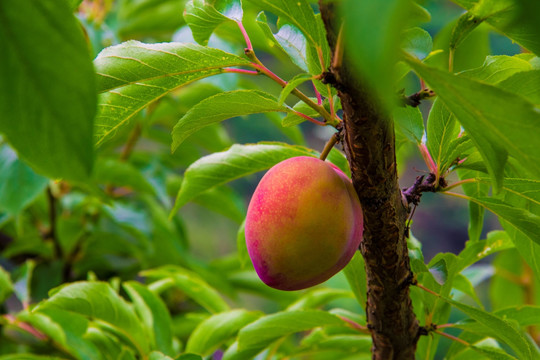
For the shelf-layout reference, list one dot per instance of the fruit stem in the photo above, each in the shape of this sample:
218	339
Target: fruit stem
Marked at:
329	145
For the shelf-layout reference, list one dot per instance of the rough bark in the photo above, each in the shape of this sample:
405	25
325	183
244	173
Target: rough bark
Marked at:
369	143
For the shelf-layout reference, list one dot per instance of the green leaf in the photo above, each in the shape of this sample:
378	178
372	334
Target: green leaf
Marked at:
476	250
191	284
22	281
523	194
120	173
291	85
264	331
487	113
348	344
409	121
28	357
214	331
6	287
19	184
189	357
156	355
65	328
372	32
241	246
497	68
298	13
49	126
238	161
204	17
417	42
516	19
132	75
525	84
499	328
476	212
442	129
154	315
225	201
525	221
220	107
148	17
295	44
356	276
293	118
317	298
98	300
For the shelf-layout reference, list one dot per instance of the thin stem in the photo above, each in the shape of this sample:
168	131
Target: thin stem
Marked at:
451	54
428	159
444	326
52	223
317	94
461	196
459	183
241	71
355	325
130	144
309	118
452	337
426	289
337	59
329	145
333	121
245	34
331	101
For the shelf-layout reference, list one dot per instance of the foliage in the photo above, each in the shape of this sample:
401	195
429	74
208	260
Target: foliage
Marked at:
97	223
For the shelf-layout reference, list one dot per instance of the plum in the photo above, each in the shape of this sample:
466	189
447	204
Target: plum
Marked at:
304	223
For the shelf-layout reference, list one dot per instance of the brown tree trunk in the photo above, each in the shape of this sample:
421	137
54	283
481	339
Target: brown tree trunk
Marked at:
369	143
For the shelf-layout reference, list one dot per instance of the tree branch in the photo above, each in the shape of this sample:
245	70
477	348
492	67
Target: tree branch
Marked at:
369	143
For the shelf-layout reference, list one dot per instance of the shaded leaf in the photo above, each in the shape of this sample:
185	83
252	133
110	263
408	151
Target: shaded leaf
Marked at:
409	121
191	284
487	113
264	331
50	127
499	329
98	300
217	329
442	130
19	184
372	32
356	276
220	107
153	314
238	161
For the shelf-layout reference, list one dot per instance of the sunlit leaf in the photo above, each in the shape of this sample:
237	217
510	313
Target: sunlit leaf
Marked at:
132	75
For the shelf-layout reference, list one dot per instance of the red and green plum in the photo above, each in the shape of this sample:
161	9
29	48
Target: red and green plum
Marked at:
304	223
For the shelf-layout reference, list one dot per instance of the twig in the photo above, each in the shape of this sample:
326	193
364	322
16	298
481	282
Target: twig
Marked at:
245	34
421	185
329	145
415	99
355	325
452	337
415	283
130	144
